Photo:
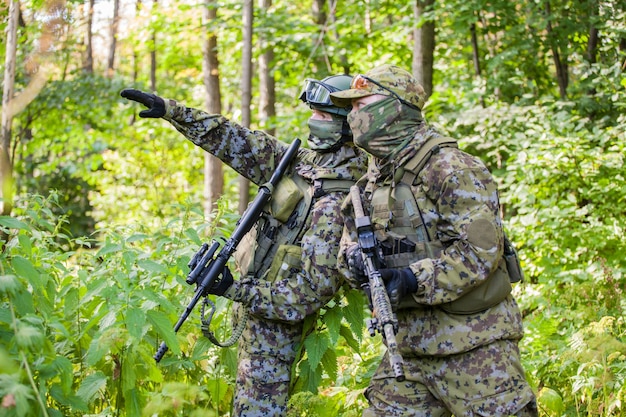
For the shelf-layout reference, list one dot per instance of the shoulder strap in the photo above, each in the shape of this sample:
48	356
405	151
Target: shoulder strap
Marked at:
432	146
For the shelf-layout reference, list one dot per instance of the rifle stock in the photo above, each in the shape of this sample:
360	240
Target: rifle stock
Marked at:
205	268
383	318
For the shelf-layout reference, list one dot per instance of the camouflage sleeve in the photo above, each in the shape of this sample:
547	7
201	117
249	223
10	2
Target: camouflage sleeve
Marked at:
317	280
468	224
253	154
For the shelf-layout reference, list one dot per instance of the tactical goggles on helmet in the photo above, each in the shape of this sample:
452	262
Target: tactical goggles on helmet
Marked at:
361	82
317	93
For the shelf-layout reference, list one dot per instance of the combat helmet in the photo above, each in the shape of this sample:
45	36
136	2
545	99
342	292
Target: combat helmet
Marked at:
316	94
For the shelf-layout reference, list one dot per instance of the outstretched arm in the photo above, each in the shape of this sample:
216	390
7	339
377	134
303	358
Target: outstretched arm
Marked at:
253	154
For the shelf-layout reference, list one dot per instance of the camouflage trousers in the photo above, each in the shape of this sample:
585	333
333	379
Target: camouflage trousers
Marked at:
487	381
266	352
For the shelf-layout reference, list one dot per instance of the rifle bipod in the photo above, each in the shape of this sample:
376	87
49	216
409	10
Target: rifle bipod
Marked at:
206	325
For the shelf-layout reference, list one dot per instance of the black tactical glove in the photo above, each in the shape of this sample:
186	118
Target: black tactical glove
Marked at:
355	263
221	286
154	103
399	283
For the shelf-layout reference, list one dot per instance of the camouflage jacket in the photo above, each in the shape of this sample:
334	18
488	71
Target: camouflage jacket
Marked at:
459	205
255	155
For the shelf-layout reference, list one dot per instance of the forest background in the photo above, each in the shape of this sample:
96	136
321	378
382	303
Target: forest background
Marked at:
101	210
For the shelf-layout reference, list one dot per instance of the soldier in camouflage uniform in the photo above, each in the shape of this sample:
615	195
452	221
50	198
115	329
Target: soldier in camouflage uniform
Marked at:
279	298
441	241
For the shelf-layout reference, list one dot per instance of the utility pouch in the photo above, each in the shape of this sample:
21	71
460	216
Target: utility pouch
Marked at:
286	262
512	262
244	255
285	198
491	292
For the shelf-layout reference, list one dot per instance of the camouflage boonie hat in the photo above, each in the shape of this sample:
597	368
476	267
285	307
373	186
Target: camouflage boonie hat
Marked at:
388	80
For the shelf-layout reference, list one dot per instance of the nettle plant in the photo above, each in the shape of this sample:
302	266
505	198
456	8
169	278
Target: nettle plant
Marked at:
81	319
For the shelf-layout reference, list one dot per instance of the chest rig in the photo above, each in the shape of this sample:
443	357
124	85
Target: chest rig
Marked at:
281	227
397	217
406	239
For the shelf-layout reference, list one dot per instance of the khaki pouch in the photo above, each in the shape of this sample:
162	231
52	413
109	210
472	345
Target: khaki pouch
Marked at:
491	292
285	198
286	262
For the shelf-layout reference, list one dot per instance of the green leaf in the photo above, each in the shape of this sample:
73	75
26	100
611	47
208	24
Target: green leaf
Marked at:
165	329
129	372
29	337
24	268
109	248
152	266
348	335
329	362
316	345
64	369
9	284
25	243
71	303
332	319
135	320
91	385
13	223
18	395
354	311
551	400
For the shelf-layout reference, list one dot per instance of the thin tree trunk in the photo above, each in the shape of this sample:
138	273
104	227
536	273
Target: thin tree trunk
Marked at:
424	46
153	60
88	64
476	57
6	165
246	91
138	7
113	45
267	90
213	171
559	64
332	16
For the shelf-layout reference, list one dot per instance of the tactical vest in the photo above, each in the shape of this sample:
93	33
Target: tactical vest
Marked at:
271	250
405	239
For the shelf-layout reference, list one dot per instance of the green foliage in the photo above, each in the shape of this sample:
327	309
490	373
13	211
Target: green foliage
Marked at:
92	273
83	324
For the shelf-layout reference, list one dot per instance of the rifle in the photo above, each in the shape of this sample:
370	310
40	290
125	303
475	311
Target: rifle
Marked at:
383	320
204	267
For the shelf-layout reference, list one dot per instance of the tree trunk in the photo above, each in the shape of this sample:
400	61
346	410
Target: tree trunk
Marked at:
424	46
135	75
213	172
6	165
332	16
559	64
476	56
113	45
267	90
88	63
153	61
246	91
